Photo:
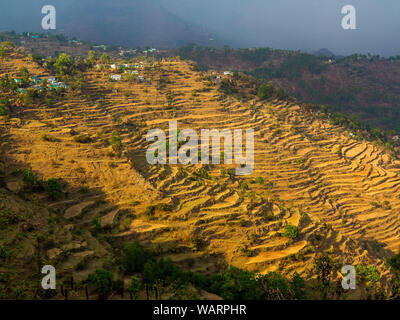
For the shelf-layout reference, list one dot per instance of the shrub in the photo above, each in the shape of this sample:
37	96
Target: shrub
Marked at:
274	286
82	138
46	137
97	224
369	273
134	257
290	231
134	287
149	212
4	253
101	280
281	93
297	285
260	180
202	173
375	204
3	111
8	218
54	189
85	189
394	262
265	91
116	141
30	179
236	284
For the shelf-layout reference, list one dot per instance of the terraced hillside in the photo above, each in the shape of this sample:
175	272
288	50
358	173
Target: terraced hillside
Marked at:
364	86
339	193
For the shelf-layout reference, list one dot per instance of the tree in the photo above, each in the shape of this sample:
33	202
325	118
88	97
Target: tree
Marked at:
64	64
297	285
3	111
54	189
116	141
4	105
30	179
281	93
394	263
236	284
105	58
91	60
324	109
324	266
274	286
23	71
102	280
134	257
149	276
134	287
265	91
7	44
290	231
28	97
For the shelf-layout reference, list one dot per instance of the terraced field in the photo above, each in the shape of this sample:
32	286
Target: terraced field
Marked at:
340	192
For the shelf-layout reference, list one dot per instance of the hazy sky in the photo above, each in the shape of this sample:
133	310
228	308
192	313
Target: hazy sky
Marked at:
285	24
298	24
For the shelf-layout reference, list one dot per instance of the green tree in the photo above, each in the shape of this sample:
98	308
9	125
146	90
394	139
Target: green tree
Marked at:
3	111
102	280
28	97
30	179
134	287
54	189
134	257
91	60
105	58
23	71
298	286
265	91
236	284
7	44
281	93
116	141
290	231
274	286
64	64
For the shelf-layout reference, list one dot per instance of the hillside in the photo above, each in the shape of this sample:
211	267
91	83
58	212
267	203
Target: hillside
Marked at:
338	192
364	86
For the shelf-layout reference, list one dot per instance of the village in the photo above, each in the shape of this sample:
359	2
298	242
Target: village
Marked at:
126	68
39	84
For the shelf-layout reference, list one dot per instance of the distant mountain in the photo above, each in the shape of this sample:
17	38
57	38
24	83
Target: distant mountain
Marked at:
118	22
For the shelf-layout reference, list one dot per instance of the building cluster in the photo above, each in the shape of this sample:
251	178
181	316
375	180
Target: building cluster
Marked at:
217	77
38	84
127	68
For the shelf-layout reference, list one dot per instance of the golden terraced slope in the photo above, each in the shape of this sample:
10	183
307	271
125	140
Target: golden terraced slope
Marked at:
343	205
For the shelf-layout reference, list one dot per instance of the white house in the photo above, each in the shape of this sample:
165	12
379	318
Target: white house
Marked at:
132	72
116	77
